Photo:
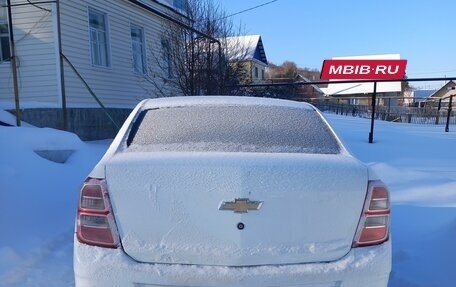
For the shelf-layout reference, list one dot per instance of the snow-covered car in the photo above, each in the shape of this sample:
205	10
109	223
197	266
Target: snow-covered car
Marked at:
230	191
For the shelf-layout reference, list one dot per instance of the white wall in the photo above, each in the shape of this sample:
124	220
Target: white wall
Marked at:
261	67
35	54
38	73
117	85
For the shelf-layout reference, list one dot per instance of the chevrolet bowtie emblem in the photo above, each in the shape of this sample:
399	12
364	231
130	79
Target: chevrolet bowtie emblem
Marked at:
240	205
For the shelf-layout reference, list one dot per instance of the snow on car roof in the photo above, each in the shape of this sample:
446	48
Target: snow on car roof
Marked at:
222	100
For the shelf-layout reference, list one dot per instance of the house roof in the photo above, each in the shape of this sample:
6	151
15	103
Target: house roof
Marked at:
423	94
444	88
246	47
317	88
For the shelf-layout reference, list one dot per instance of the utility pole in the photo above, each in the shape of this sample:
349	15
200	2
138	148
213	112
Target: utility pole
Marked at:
62	71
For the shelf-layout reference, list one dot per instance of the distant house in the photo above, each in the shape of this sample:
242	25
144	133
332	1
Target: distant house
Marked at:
443	93
108	50
250	51
417	97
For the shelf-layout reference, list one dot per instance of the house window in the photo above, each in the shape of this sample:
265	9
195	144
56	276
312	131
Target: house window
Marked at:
354	101
4	33
167	59
137	48
256	72
99	42
262	74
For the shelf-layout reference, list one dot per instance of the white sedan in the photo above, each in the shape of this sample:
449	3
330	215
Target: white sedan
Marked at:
230	191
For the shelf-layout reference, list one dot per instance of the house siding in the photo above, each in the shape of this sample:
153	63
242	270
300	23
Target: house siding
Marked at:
117	85
35	32
35	55
256	79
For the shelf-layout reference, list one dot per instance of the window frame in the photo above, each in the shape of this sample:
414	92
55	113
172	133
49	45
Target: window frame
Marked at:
107	44
167	59
354	101
142	44
193	128
4	35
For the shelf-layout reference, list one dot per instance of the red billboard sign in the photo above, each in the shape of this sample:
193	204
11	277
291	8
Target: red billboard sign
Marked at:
363	69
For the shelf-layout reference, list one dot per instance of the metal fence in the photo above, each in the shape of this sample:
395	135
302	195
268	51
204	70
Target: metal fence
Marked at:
373	107
428	114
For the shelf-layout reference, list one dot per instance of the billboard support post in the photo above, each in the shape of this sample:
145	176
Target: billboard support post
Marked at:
374	100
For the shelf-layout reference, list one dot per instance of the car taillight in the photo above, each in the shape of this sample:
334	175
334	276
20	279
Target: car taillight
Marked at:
373	227
95	222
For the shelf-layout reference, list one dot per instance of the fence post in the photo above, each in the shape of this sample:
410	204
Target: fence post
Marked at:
447	127
374	99
14	65
437	118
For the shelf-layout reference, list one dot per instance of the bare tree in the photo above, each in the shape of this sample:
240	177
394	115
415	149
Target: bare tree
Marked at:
196	57
287	70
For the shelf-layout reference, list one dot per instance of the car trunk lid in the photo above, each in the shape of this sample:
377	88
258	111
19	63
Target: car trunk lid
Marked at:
189	208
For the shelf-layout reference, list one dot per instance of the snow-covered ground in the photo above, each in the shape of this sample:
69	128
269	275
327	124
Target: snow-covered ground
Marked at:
418	163
38	199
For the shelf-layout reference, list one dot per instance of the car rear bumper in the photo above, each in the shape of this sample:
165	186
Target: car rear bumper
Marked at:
95	266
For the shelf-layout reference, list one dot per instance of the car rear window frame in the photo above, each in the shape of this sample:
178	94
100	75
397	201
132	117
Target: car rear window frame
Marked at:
135	130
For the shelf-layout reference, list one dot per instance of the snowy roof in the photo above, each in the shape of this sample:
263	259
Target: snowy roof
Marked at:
221	100
317	88
445	88
246	47
423	93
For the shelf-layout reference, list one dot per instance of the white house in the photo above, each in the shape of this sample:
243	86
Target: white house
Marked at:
109	50
250	51
443	93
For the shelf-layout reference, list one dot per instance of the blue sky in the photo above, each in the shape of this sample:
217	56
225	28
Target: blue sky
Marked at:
307	32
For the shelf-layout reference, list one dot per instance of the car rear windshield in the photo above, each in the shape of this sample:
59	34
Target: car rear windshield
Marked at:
264	129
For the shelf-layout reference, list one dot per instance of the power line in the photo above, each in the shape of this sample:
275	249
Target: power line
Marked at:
248	9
